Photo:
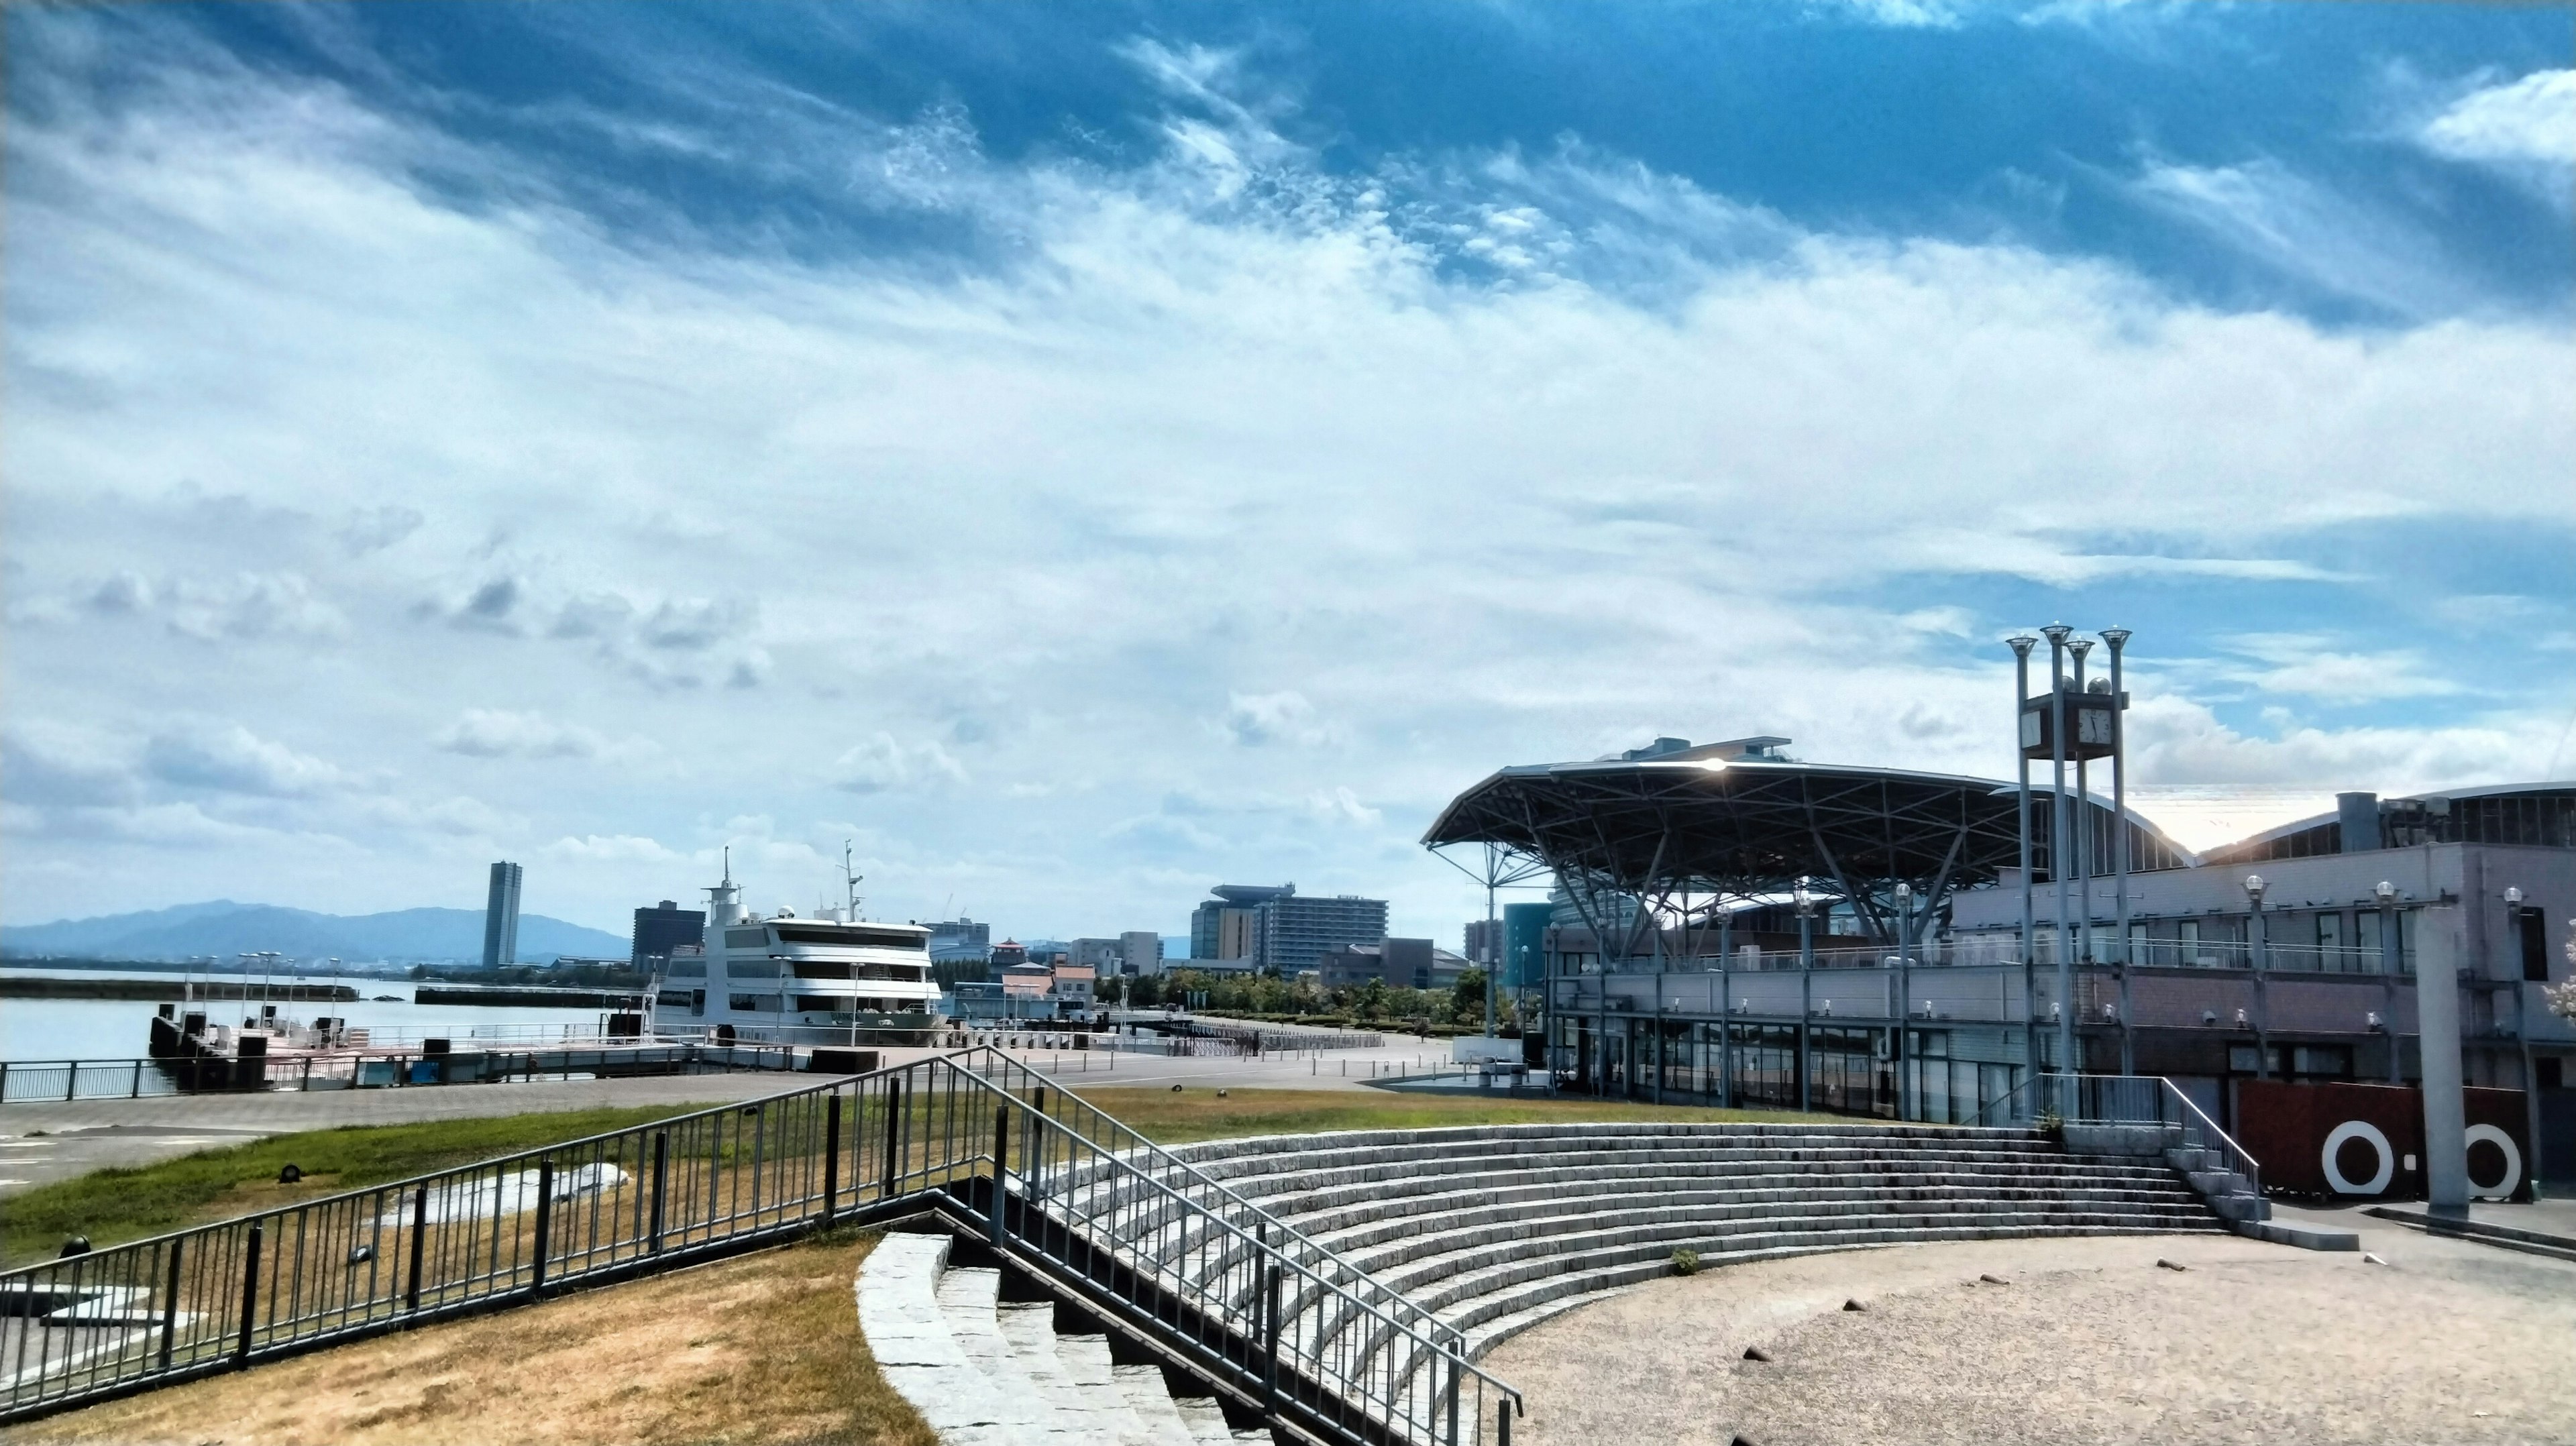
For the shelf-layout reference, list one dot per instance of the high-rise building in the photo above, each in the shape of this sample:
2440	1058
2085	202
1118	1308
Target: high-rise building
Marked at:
1279	929
501	918
1142	951
659	929
1296	929
1228	926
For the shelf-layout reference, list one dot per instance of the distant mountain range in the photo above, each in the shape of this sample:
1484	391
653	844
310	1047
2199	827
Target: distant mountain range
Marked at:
224	928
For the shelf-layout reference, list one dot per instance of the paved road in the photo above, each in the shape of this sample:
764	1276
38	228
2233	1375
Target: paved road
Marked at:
42	1142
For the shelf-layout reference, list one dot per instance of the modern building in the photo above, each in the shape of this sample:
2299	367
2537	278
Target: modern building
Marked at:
1227	926
660	929
1140	952
961	941
501	917
1401	963
1756	930
1009	955
1101	956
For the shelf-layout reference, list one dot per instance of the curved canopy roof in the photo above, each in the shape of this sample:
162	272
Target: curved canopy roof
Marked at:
1746	826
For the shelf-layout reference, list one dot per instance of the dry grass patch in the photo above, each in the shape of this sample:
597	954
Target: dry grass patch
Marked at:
761	1349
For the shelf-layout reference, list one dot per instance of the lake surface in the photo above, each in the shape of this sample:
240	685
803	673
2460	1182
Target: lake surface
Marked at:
57	1029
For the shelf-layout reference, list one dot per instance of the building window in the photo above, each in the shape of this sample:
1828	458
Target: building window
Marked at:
752	1003
2535	944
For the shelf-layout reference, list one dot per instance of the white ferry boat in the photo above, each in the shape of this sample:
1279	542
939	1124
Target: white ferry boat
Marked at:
823	980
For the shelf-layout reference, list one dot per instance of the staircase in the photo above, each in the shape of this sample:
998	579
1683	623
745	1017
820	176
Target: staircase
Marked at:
987	1371
1475	1233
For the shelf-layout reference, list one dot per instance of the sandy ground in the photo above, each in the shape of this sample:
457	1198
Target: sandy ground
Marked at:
2091	1341
760	1349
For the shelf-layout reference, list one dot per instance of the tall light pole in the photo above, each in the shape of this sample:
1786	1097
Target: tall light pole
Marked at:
2118	639
1905	1091
2057	633
2021	644
2259	945
2391	946
2079	649
1806	983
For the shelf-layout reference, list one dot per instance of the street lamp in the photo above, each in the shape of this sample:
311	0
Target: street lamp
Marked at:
2261	958
1806	902
2021	644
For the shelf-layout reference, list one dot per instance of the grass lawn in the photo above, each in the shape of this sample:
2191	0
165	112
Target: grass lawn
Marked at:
128	1203
122	1204
763	1348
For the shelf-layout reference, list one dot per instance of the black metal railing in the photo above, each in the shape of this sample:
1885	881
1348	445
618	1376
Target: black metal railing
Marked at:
1185	1265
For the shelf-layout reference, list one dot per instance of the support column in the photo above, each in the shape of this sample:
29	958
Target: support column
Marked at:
2437	1015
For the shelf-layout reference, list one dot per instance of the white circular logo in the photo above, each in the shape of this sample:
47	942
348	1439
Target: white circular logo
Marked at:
2512	1163
2367	1132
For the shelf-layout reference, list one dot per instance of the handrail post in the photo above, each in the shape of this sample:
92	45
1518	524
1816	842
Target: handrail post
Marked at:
249	1295
419	1244
1270	1339
170	1300
1001	1156
831	1155
1452	1394
545	1223
661	1180
893	1138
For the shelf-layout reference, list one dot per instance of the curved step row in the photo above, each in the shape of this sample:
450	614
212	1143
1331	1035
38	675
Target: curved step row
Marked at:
1495	1228
988	1372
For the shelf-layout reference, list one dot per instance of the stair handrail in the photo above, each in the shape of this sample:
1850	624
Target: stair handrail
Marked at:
1251	1258
1021	1077
2236	1156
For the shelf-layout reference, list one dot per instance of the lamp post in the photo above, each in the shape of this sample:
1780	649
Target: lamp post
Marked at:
2077	650
2057	633
2391	946
1806	981
2261	959
2021	644
2117	639
1905	1092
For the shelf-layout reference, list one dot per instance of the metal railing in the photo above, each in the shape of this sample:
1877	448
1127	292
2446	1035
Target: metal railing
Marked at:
65	1080
2103	1099
1182	1263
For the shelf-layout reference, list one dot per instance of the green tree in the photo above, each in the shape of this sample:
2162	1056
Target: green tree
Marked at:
1467	998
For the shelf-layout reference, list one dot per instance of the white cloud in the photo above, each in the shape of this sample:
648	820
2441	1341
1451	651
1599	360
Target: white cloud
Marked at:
616	848
1255	719
1284	447
501	733
2308	666
2530	119
228	758
881	765
251	606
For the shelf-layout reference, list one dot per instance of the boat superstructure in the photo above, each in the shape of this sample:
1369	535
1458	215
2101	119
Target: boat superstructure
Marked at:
818	980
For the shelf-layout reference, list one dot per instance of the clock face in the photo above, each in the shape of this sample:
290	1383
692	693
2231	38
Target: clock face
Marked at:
2093	725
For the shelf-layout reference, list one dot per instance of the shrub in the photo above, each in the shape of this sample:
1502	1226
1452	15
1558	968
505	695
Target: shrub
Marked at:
1685	1261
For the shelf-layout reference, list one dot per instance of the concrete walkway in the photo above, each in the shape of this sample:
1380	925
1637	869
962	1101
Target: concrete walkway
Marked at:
2070	1343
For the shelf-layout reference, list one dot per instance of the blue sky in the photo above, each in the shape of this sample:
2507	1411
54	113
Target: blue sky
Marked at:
1088	453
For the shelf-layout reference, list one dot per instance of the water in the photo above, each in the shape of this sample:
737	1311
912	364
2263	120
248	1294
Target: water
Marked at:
59	1029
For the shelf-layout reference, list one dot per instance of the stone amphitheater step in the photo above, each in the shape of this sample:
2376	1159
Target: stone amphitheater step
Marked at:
988	1372
1495	1228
